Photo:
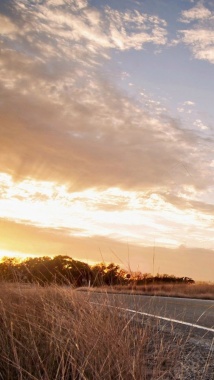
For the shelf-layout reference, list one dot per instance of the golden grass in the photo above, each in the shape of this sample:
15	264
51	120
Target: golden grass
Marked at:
198	290
57	334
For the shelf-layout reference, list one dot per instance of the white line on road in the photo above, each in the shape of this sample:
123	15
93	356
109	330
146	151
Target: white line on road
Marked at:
157	316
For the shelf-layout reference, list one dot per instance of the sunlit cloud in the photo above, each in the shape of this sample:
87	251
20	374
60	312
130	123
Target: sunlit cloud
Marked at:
91	126
113	212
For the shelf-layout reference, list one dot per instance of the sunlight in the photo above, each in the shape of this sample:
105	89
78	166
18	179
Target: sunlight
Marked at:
112	212
12	254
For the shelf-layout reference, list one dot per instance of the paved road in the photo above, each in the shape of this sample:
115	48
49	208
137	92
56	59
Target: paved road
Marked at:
192	311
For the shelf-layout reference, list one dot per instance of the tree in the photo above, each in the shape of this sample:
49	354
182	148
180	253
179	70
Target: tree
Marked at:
9	270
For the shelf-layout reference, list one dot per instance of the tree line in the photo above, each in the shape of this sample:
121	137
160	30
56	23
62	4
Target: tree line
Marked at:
64	270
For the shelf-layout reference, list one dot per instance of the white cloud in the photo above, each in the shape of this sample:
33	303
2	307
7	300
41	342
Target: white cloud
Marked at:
199	124
201	42
184	107
189	103
199	12
200	37
70	26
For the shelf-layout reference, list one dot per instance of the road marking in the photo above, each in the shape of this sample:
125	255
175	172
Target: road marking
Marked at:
157	316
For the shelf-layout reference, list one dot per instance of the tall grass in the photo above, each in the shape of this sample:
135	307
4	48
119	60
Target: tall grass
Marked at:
198	290
57	334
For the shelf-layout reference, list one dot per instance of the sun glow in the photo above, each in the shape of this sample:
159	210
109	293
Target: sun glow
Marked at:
15	254
138	216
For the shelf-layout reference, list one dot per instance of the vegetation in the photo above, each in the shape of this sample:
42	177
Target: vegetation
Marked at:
55	332
65	270
197	290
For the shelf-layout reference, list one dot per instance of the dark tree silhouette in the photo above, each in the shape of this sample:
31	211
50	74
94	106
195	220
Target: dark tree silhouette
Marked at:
64	270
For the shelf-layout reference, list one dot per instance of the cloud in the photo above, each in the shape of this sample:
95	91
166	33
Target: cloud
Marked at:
199	12
133	29
184	203
199	124
63	121
35	241
201	42
169	214
188	103
52	28
186	107
7	27
200	36
93	139
180	109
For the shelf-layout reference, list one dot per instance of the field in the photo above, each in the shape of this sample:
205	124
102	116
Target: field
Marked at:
56	333
197	290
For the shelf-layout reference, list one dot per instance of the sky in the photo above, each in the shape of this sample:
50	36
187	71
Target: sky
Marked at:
107	132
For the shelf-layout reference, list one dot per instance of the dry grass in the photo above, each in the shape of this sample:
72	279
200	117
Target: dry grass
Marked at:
56	334
198	290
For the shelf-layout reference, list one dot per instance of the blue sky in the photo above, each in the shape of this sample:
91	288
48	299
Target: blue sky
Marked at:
170	74
107	131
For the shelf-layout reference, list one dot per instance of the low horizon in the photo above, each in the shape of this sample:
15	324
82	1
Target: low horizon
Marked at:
133	258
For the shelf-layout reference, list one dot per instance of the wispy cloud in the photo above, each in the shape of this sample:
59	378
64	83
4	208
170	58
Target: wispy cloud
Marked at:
50	24
200	35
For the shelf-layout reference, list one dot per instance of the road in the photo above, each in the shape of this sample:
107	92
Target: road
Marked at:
187	312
